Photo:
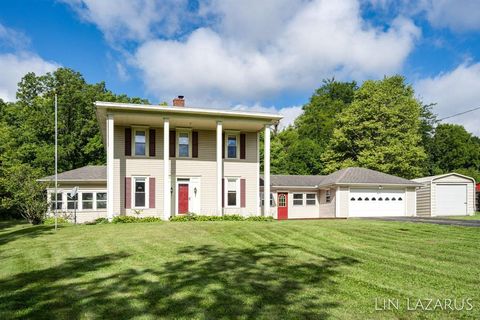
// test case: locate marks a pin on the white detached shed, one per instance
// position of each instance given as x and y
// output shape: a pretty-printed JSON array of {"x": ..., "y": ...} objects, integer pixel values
[{"x": 450, "y": 194}]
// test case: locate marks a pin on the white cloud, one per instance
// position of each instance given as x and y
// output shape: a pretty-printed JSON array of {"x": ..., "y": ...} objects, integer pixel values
[
  {"x": 15, "y": 66},
  {"x": 17, "y": 62},
  {"x": 297, "y": 44},
  {"x": 289, "y": 113},
  {"x": 130, "y": 19},
  {"x": 454, "y": 92},
  {"x": 12, "y": 39},
  {"x": 458, "y": 15}
]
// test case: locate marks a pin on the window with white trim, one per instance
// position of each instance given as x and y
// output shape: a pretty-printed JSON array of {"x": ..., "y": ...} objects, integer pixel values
[
  {"x": 183, "y": 138},
  {"x": 262, "y": 199},
  {"x": 87, "y": 200},
  {"x": 232, "y": 146},
  {"x": 298, "y": 199},
  {"x": 311, "y": 199},
  {"x": 140, "y": 142},
  {"x": 232, "y": 192},
  {"x": 72, "y": 202},
  {"x": 58, "y": 202},
  {"x": 140, "y": 192},
  {"x": 328, "y": 196},
  {"x": 101, "y": 198}
]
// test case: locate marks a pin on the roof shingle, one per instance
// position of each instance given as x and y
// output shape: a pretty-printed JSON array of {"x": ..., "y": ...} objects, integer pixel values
[{"x": 87, "y": 173}]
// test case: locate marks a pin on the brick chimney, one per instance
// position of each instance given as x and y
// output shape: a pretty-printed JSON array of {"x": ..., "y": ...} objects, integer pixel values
[{"x": 179, "y": 101}]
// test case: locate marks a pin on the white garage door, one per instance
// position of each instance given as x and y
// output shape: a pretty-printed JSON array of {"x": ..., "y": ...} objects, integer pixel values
[
  {"x": 451, "y": 199},
  {"x": 376, "y": 202}
]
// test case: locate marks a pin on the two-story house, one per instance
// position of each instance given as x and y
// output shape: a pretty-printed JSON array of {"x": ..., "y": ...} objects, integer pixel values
[{"x": 169, "y": 160}]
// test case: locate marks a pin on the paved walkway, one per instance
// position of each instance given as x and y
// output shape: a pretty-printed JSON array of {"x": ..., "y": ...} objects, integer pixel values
[{"x": 433, "y": 220}]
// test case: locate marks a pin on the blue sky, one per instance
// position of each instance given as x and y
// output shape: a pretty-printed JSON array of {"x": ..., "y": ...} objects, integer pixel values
[{"x": 267, "y": 55}]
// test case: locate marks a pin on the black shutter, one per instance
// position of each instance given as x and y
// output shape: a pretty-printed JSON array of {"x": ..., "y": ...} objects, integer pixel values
[
  {"x": 195, "y": 144},
  {"x": 128, "y": 141},
  {"x": 242, "y": 146},
  {"x": 172, "y": 138},
  {"x": 151, "y": 142}
]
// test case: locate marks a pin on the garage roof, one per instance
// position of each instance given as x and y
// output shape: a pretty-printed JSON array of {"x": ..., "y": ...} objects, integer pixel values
[
  {"x": 357, "y": 175},
  {"x": 352, "y": 175},
  {"x": 431, "y": 178},
  {"x": 294, "y": 181}
]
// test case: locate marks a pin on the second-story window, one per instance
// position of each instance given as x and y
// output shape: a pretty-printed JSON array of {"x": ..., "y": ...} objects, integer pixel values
[
  {"x": 232, "y": 146},
  {"x": 140, "y": 141},
  {"x": 183, "y": 144}
]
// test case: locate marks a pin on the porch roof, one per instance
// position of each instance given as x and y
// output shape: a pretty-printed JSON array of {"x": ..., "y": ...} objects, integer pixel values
[{"x": 129, "y": 114}]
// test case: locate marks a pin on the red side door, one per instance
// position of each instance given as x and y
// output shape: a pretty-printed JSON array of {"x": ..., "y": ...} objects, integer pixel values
[
  {"x": 282, "y": 211},
  {"x": 183, "y": 198}
]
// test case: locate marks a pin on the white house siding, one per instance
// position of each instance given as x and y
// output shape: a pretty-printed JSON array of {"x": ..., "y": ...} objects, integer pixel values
[
  {"x": 424, "y": 204},
  {"x": 246, "y": 169},
  {"x": 137, "y": 166},
  {"x": 411, "y": 204},
  {"x": 342, "y": 201},
  {"x": 82, "y": 215},
  {"x": 204, "y": 167},
  {"x": 304, "y": 211},
  {"x": 327, "y": 209}
]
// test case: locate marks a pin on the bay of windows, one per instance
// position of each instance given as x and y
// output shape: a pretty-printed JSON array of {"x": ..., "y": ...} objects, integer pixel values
[{"x": 83, "y": 200}]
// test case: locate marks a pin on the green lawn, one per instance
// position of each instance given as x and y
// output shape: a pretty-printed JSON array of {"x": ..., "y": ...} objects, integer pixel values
[
  {"x": 476, "y": 216},
  {"x": 250, "y": 270}
]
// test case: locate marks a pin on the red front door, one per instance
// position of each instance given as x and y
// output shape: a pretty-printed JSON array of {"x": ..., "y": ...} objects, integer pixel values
[
  {"x": 182, "y": 198},
  {"x": 282, "y": 213}
]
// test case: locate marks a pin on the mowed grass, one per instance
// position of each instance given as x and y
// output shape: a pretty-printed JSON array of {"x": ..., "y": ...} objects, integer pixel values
[
  {"x": 237, "y": 270},
  {"x": 475, "y": 216}
]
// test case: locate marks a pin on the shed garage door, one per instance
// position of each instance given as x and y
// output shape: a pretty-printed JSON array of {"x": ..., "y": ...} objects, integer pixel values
[
  {"x": 376, "y": 203},
  {"x": 451, "y": 199}
]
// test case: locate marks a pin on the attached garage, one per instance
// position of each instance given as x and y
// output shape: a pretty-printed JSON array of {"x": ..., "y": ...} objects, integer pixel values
[
  {"x": 349, "y": 192},
  {"x": 449, "y": 194}
]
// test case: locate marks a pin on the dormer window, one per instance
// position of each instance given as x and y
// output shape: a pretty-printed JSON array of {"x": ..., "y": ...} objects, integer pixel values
[{"x": 140, "y": 141}]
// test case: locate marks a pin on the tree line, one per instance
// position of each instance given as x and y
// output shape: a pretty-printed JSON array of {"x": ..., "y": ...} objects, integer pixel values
[
  {"x": 27, "y": 135},
  {"x": 379, "y": 125}
]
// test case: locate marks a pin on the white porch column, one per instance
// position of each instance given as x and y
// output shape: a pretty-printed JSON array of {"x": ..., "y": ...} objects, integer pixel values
[
  {"x": 266, "y": 172},
  {"x": 110, "y": 134},
  {"x": 219, "y": 167},
  {"x": 166, "y": 169}
]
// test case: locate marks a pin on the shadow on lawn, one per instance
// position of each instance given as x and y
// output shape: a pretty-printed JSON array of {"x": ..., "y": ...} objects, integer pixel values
[
  {"x": 27, "y": 230},
  {"x": 204, "y": 282}
]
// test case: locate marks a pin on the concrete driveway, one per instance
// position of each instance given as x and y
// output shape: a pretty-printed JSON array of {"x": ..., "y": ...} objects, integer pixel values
[{"x": 433, "y": 220}]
